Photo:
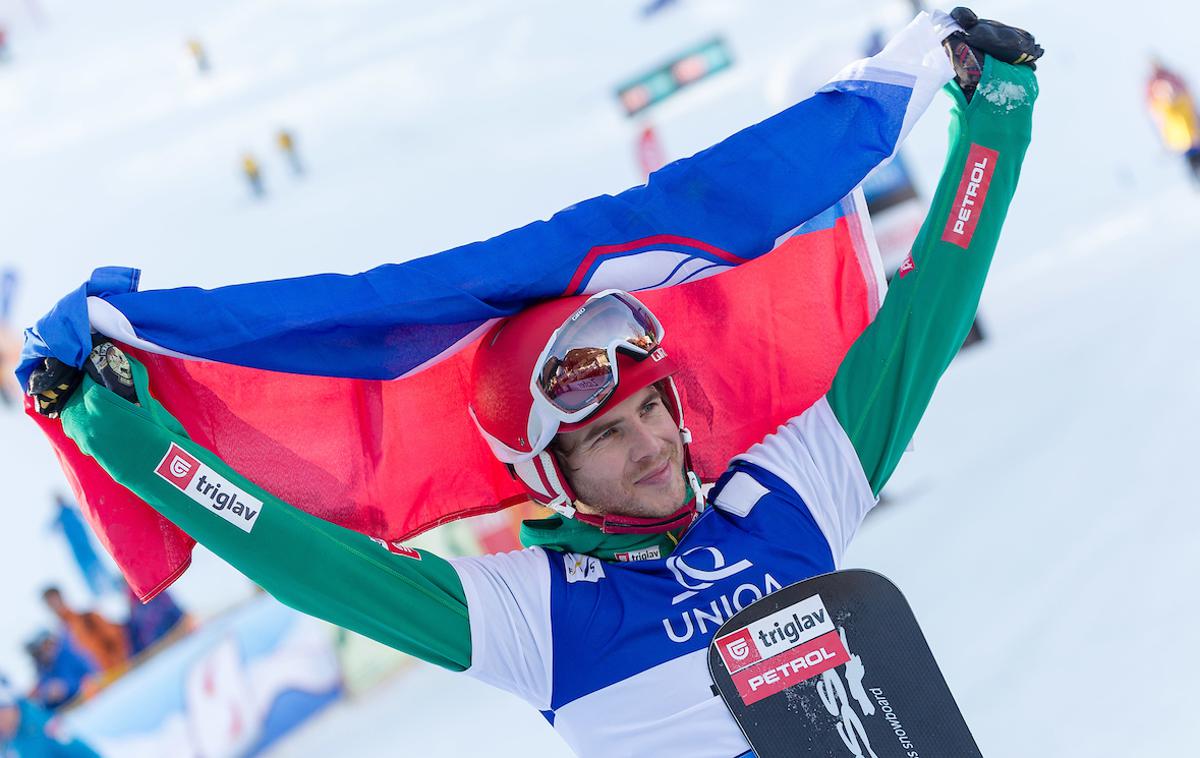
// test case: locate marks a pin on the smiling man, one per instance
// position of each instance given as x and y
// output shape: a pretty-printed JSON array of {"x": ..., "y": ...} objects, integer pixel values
[
  {"x": 603, "y": 621},
  {"x": 629, "y": 463}
]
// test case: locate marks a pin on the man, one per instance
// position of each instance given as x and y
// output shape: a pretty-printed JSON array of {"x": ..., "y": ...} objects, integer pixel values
[
  {"x": 104, "y": 641},
  {"x": 27, "y": 731},
  {"x": 603, "y": 620}
]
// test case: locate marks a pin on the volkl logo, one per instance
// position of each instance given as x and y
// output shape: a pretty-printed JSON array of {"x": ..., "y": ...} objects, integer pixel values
[
  {"x": 208, "y": 488},
  {"x": 694, "y": 578}
]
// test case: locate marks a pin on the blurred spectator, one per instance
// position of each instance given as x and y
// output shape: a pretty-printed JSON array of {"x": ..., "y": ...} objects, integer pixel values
[
  {"x": 1174, "y": 113},
  {"x": 62, "y": 670},
  {"x": 150, "y": 622},
  {"x": 3, "y": 45},
  {"x": 10, "y": 353},
  {"x": 287, "y": 144},
  {"x": 252, "y": 173},
  {"x": 29, "y": 731},
  {"x": 199, "y": 55},
  {"x": 95, "y": 635},
  {"x": 10, "y": 339},
  {"x": 69, "y": 521}
]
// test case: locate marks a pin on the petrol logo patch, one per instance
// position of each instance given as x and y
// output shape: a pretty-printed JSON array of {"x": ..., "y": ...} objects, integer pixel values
[
  {"x": 971, "y": 195},
  {"x": 785, "y": 648}
]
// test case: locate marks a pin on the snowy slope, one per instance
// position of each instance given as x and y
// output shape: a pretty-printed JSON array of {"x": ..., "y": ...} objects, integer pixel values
[{"x": 1042, "y": 530}]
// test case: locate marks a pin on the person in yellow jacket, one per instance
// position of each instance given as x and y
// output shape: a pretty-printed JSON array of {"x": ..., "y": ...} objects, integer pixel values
[
  {"x": 253, "y": 174},
  {"x": 1174, "y": 113}
]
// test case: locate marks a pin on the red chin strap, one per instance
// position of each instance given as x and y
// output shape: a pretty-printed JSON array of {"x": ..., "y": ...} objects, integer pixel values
[{"x": 611, "y": 523}]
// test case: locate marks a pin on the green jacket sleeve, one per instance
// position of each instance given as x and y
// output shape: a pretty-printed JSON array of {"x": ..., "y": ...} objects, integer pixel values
[
  {"x": 414, "y": 603},
  {"x": 887, "y": 378}
]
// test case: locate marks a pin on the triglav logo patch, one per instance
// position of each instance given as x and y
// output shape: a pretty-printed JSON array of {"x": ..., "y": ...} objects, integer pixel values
[
  {"x": 782, "y": 649},
  {"x": 651, "y": 553},
  {"x": 208, "y": 488}
]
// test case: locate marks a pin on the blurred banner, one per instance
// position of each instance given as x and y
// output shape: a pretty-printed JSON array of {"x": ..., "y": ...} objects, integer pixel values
[
  {"x": 656, "y": 85},
  {"x": 896, "y": 211},
  {"x": 229, "y": 690}
]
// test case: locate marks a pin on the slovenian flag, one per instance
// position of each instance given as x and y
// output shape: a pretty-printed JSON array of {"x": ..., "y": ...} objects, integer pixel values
[{"x": 347, "y": 395}]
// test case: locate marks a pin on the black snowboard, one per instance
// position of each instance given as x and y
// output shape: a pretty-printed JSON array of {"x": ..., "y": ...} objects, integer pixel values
[{"x": 836, "y": 665}]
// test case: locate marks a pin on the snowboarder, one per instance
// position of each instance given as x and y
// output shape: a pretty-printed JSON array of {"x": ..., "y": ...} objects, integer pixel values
[
  {"x": 1174, "y": 113},
  {"x": 199, "y": 55},
  {"x": 603, "y": 621},
  {"x": 287, "y": 145},
  {"x": 253, "y": 175}
]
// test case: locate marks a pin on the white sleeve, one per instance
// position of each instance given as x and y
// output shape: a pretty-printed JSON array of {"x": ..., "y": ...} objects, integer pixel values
[
  {"x": 914, "y": 57},
  {"x": 508, "y": 602},
  {"x": 813, "y": 455}
]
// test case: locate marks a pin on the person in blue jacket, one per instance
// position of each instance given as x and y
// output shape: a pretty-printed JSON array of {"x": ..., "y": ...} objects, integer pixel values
[
  {"x": 61, "y": 669},
  {"x": 30, "y": 731}
]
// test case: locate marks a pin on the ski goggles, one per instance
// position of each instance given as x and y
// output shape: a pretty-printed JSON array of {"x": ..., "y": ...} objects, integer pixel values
[{"x": 577, "y": 371}]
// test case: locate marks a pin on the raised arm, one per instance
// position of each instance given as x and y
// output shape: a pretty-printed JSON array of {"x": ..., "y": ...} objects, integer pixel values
[
  {"x": 409, "y": 600},
  {"x": 887, "y": 378}
]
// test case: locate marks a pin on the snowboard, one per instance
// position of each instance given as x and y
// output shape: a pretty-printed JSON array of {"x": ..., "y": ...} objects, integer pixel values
[{"x": 836, "y": 665}]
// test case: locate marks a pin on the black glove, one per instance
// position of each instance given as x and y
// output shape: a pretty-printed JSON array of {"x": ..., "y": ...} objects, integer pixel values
[
  {"x": 53, "y": 383},
  {"x": 983, "y": 37},
  {"x": 1001, "y": 41}
]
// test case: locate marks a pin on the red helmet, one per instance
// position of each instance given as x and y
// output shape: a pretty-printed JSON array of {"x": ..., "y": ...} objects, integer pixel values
[{"x": 558, "y": 367}]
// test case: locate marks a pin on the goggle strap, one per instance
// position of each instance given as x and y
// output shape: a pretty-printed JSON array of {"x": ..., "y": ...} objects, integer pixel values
[{"x": 697, "y": 489}]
